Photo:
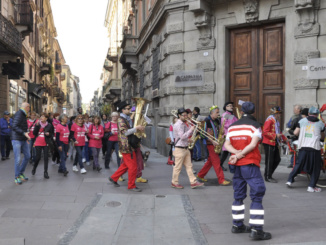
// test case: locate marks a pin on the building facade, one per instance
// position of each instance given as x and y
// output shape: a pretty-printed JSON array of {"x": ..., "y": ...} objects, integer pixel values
[{"x": 206, "y": 52}]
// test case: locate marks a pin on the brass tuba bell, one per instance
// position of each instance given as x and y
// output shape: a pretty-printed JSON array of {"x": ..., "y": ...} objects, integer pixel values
[{"x": 139, "y": 117}]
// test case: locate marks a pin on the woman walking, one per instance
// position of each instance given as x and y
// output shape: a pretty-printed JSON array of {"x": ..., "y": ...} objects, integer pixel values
[
  {"x": 86, "y": 149},
  {"x": 62, "y": 139},
  {"x": 55, "y": 154},
  {"x": 112, "y": 143},
  {"x": 31, "y": 124},
  {"x": 95, "y": 134},
  {"x": 43, "y": 133},
  {"x": 77, "y": 134}
]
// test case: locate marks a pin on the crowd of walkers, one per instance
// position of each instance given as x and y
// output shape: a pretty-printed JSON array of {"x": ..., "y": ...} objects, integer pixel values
[{"x": 57, "y": 136}]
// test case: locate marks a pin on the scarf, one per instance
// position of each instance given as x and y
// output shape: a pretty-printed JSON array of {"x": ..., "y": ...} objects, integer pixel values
[
  {"x": 55, "y": 122},
  {"x": 31, "y": 120},
  {"x": 43, "y": 125},
  {"x": 127, "y": 118}
]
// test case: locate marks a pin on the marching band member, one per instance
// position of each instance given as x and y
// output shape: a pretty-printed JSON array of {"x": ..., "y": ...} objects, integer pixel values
[
  {"x": 181, "y": 153},
  {"x": 128, "y": 153},
  {"x": 212, "y": 127},
  {"x": 242, "y": 141},
  {"x": 310, "y": 132},
  {"x": 228, "y": 118},
  {"x": 271, "y": 139}
]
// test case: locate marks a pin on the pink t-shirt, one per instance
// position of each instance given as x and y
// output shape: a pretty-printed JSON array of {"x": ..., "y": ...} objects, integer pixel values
[
  {"x": 113, "y": 129},
  {"x": 79, "y": 134},
  {"x": 93, "y": 132},
  {"x": 31, "y": 128},
  {"x": 63, "y": 130},
  {"x": 40, "y": 140},
  {"x": 171, "y": 128}
]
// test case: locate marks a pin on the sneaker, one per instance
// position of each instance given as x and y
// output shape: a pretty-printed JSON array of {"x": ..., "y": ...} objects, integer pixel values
[
  {"x": 18, "y": 181},
  {"x": 141, "y": 180},
  {"x": 136, "y": 189},
  {"x": 65, "y": 173},
  {"x": 196, "y": 184},
  {"x": 177, "y": 186},
  {"x": 83, "y": 171},
  {"x": 75, "y": 169},
  {"x": 290, "y": 166},
  {"x": 225, "y": 183},
  {"x": 84, "y": 160},
  {"x": 53, "y": 162},
  {"x": 311, "y": 189},
  {"x": 113, "y": 182},
  {"x": 121, "y": 179},
  {"x": 194, "y": 171},
  {"x": 98, "y": 169},
  {"x": 3, "y": 158},
  {"x": 271, "y": 180},
  {"x": 241, "y": 229},
  {"x": 224, "y": 169},
  {"x": 88, "y": 163},
  {"x": 202, "y": 179},
  {"x": 289, "y": 184},
  {"x": 23, "y": 177},
  {"x": 260, "y": 235}
]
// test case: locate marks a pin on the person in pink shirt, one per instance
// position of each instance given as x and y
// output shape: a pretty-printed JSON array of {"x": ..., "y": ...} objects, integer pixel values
[
  {"x": 31, "y": 124},
  {"x": 77, "y": 134},
  {"x": 113, "y": 143},
  {"x": 95, "y": 134},
  {"x": 228, "y": 118},
  {"x": 62, "y": 139},
  {"x": 43, "y": 133}
]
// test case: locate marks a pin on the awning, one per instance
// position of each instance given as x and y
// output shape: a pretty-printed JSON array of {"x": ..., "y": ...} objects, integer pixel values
[{"x": 36, "y": 90}]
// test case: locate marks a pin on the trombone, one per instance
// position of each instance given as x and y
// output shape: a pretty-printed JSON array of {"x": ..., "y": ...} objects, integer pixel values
[{"x": 195, "y": 123}]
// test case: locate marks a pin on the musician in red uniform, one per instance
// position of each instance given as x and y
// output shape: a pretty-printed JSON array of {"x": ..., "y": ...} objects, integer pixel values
[
  {"x": 242, "y": 142},
  {"x": 271, "y": 139}
]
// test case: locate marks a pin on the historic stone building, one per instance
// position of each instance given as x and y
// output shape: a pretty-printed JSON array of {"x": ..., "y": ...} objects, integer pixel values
[{"x": 251, "y": 50}]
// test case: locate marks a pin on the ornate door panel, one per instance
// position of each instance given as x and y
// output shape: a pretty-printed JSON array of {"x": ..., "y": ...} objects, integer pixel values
[{"x": 257, "y": 67}]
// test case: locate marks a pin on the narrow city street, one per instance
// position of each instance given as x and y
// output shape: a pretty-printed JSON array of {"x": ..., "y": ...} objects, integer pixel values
[{"x": 85, "y": 209}]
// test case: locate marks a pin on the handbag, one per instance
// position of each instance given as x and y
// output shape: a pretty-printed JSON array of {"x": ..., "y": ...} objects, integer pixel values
[{"x": 107, "y": 134}]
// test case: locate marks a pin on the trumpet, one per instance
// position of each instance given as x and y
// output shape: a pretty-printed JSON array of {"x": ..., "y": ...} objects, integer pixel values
[{"x": 198, "y": 128}]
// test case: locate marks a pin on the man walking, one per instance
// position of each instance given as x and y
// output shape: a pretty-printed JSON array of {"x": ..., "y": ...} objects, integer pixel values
[
  {"x": 181, "y": 153},
  {"x": 5, "y": 125},
  {"x": 242, "y": 142},
  {"x": 271, "y": 140},
  {"x": 310, "y": 132},
  {"x": 129, "y": 156},
  {"x": 20, "y": 142}
]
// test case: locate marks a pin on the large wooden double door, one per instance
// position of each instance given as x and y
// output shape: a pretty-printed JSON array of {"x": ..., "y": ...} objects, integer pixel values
[{"x": 257, "y": 67}]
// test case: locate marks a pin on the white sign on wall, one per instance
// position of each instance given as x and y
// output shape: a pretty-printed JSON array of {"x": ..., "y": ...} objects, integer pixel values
[{"x": 317, "y": 68}]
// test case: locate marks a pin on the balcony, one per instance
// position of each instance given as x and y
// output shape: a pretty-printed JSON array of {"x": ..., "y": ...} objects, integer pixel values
[
  {"x": 56, "y": 92},
  {"x": 129, "y": 46},
  {"x": 112, "y": 55},
  {"x": 62, "y": 76},
  {"x": 55, "y": 82},
  {"x": 45, "y": 69},
  {"x": 10, "y": 38},
  {"x": 108, "y": 66},
  {"x": 24, "y": 18},
  {"x": 58, "y": 67}
]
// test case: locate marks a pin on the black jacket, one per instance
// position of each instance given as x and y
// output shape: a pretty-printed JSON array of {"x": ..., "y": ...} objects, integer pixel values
[
  {"x": 48, "y": 128},
  {"x": 19, "y": 126}
]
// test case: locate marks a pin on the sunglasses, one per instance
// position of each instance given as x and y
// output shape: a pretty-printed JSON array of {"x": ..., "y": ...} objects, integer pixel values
[{"x": 128, "y": 108}]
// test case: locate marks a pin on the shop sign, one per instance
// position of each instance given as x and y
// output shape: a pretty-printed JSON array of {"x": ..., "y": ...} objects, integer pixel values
[
  {"x": 22, "y": 92},
  {"x": 317, "y": 68},
  {"x": 13, "y": 87},
  {"x": 190, "y": 78}
]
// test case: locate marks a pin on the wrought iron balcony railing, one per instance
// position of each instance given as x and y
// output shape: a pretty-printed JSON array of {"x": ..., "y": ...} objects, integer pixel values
[
  {"x": 24, "y": 18},
  {"x": 10, "y": 38}
]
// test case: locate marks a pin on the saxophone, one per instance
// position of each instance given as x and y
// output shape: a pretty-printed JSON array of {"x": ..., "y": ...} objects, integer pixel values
[
  {"x": 194, "y": 138},
  {"x": 220, "y": 139},
  {"x": 238, "y": 112}
]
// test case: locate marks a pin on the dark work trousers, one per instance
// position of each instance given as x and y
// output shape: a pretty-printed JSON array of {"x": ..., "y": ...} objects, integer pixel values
[
  {"x": 79, "y": 156},
  {"x": 272, "y": 159},
  {"x": 110, "y": 146},
  {"x": 96, "y": 153},
  {"x": 243, "y": 175},
  {"x": 38, "y": 156},
  {"x": 5, "y": 145},
  {"x": 310, "y": 162},
  {"x": 104, "y": 145},
  {"x": 224, "y": 156}
]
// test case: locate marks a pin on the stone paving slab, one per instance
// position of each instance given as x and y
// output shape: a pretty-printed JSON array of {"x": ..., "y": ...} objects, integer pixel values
[{"x": 12, "y": 241}]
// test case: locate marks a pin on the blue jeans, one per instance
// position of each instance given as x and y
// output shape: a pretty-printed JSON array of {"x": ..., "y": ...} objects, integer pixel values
[
  {"x": 63, "y": 156},
  {"x": 112, "y": 145},
  {"x": 32, "y": 150},
  {"x": 18, "y": 147},
  {"x": 86, "y": 151},
  {"x": 197, "y": 150},
  {"x": 79, "y": 156},
  {"x": 5, "y": 145}
]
